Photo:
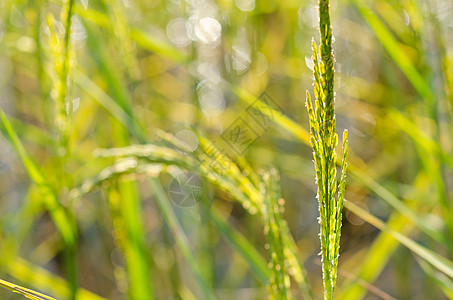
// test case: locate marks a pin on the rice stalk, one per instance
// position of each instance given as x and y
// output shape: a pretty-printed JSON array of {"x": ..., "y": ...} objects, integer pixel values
[{"x": 324, "y": 141}]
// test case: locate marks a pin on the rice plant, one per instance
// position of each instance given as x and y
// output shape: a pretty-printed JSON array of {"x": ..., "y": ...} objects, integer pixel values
[{"x": 324, "y": 141}]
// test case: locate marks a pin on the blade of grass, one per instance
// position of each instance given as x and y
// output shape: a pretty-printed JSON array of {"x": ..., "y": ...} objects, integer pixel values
[
  {"x": 279, "y": 285},
  {"x": 64, "y": 222},
  {"x": 420, "y": 138},
  {"x": 142, "y": 38},
  {"x": 239, "y": 243},
  {"x": 438, "y": 261},
  {"x": 30, "y": 294},
  {"x": 108, "y": 103},
  {"x": 376, "y": 259},
  {"x": 445, "y": 283},
  {"x": 395, "y": 51},
  {"x": 129, "y": 203},
  {"x": 30, "y": 132},
  {"x": 116, "y": 86},
  {"x": 383, "y": 246},
  {"x": 36, "y": 276},
  {"x": 280, "y": 119},
  {"x": 181, "y": 239},
  {"x": 432, "y": 155},
  {"x": 398, "y": 205},
  {"x": 148, "y": 42},
  {"x": 56, "y": 210},
  {"x": 126, "y": 208}
]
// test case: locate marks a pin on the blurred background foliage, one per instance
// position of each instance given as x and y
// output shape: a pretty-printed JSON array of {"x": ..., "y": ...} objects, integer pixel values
[{"x": 130, "y": 68}]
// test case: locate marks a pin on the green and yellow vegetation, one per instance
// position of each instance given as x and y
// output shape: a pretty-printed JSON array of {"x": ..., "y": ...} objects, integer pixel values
[{"x": 162, "y": 150}]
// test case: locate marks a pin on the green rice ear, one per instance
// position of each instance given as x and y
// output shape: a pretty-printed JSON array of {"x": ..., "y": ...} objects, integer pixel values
[{"x": 324, "y": 141}]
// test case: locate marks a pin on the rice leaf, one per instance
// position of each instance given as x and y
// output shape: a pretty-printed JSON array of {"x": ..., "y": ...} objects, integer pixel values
[
  {"x": 180, "y": 237},
  {"x": 59, "y": 215},
  {"x": 441, "y": 263},
  {"x": 30, "y": 294}
]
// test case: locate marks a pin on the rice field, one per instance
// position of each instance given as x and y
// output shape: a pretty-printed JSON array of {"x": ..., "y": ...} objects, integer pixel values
[{"x": 203, "y": 149}]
